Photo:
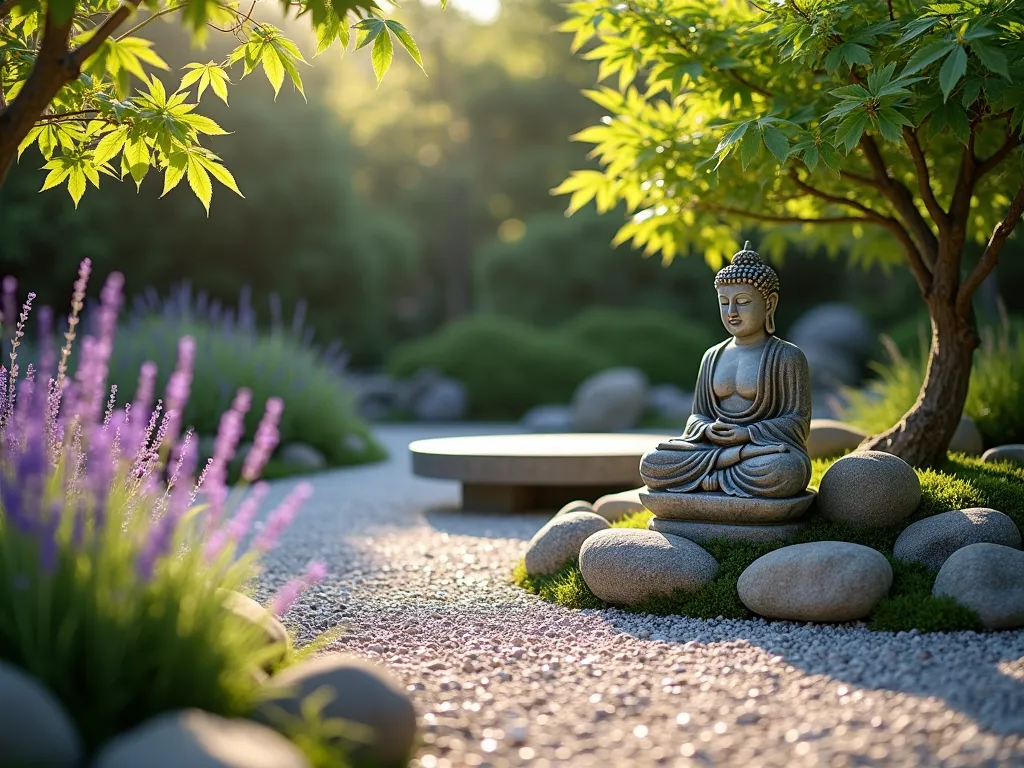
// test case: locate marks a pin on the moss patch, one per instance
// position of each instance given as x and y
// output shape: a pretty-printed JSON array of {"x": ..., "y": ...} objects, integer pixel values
[{"x": 961, "y": 483}]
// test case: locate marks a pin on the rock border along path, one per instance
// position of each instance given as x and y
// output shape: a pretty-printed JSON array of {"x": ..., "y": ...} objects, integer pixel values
[{"x": 503, "y": 678}]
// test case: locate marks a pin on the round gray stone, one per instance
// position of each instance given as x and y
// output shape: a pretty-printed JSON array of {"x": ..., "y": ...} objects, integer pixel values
[
  {"x": 200, "y": 740},
  {"x": 869, "y": 489},
  {"x": 932, "y": 540},
  {"x": 626, "y": 566},
  {"x": 816, "y": 581},
  {"x": 1012, "y": 453},
  {"x": 361, "y": 693},
  {"x": 558, "y": 542},
  {"x": 829, "y": 437},
  {"x": 615, "y": 506},
  {"x": 575, "y": 506},
  {"x": 34, "y": 728},
  {"x": 548, "y": 418},
  {"x": 610, "y": 401},
  {"x": 702, "y": 533},
  {"x": 967, "y": 438},
  {"x": 442, "y": 400},
  {"x": 303, "y": 456},
  {"x": 988, "y": 578}
]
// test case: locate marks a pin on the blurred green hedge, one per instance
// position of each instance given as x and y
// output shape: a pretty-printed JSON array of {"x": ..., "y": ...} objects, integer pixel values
[
  {"x": 506, "y": 365},
  {"x": 666, "y": 347}
]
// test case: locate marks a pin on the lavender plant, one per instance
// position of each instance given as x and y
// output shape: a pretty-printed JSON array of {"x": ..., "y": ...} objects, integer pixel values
[{"x": 113, "y": 552}]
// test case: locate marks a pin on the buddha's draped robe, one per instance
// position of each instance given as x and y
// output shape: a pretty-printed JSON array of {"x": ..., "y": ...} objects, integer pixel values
[{"x": 779, "y": 415}]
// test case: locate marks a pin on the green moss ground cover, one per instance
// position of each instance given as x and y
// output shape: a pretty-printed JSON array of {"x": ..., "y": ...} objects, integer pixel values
[{"x": 960, "y": 484}]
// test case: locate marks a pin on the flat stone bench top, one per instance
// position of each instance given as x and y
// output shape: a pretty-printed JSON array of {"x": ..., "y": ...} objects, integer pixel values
[{"x": 559, "y": 459}]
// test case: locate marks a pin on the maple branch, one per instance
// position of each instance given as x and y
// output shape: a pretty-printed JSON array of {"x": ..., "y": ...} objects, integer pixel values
[
  {"x": 747, "y": 84},
  {"x": 781, "y": 219},
  {"x": 839, "y": 200},
  {"x": 1011, "y": 143},
  {"x": 150, "y": 20},
  {"x": 924, "y": 179},
  {"x": 103, "y": 31},
  {"x": 865, "y": 180},
  {"x": 990, "y": 256},
  {"x": 902, "y": 200},
  {"x": 960, "y": 205}
]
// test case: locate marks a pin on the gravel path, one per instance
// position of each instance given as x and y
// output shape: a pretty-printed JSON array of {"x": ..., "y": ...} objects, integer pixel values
[{"x": 502, "y": 678}]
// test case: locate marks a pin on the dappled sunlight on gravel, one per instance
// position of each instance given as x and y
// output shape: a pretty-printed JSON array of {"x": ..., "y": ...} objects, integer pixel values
[{"x": 500, "y": 677}]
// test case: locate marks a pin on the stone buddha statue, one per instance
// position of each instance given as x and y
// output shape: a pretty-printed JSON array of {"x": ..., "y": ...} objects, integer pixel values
[{"x": 747, "y": 436}]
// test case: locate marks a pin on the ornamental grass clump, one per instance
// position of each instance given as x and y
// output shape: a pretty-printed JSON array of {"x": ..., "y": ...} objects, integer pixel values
[
  {"x": 232, "y": 350},
  {"x": 113, "y": 552}
]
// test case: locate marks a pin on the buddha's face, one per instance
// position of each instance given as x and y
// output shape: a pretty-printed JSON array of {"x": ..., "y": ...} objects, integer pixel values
[{"x": 744, "y": 310}]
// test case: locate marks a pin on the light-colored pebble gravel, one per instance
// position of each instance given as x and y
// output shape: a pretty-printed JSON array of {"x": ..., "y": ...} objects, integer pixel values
[{"x": 501, "y": 678}]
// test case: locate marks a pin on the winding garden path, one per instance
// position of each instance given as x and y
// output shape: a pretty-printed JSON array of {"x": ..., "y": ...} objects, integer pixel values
[{"x": 501, "y": 678}]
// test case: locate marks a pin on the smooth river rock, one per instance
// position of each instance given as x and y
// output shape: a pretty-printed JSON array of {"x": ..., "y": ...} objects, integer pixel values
[
  {"x": 988, "y": 578},
  {"x": 615, "y": 506},
  {"x": 34, "y": 728},
  {"x": 248, "y": 610},
  {"x": 558, "y": 542},
  {"x": 360, "y": 693},
  {"x": 967, "y": 438},
  {"x": 869, "y": 489},
  {"x": 575, "y": 506},
  {"x": 932, "y": 540},
  {"x": 829, "y": 437},
  {"x": 816, "y": 581},
  {"x": 610, "y": 401},
  {"x": 199, "y": 740},
  {"x": 1013, "y": 453},
  {"x": 626, "y": 566}
]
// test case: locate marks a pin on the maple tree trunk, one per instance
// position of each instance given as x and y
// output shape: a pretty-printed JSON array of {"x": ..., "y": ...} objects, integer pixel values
[{"x": 922, "y": 436}]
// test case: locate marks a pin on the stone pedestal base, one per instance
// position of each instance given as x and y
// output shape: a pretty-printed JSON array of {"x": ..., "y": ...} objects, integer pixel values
[
  {"x": 720, "y": 508},
  {"x": 701, "y": 533}
]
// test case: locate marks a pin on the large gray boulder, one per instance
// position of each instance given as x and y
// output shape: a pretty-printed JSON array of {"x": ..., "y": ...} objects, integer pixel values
[
  {"x": 558, "y": 542},
  {"x": 304, "y": 456},
  {"x": 575, "y": 506},
  {"x": 816, "y": 581},
  {"x": 443, "y": 399},
  {"x": 627, "y": 566},
  {"x": 670, "y": 403},
  {"x": 932, "y": 540},
  {"x": 835, "y": 325},
  {"x": 967, "y": 438},
  {"x": 1012, "y": 453},
  {"x": 829, "y": 437},
  {"x": 831, "y": 367},
  {"x": 869, "y": 489},
  {"x": 198, "y": 739},
  {"x": 548, "y": 418},
  {"x": 34, "y": 728},
  {"x": 360, "y": 693},
  {"x": 610, "y": 401},
  {"x": 989, "y": 579},
  {"x": 615, "y": 506}
]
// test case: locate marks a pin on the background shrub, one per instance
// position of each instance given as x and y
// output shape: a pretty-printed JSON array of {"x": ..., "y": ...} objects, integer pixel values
[
  {"x": 995, "y": 400},
  {"x": 507, "y": 366},
  {"x": 231, "y": 353},
  {"x": 666, "y": 347}
]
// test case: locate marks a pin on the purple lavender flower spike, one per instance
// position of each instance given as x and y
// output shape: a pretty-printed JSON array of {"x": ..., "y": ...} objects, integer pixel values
[
  {"x": 238, "y": 526},
  {"x": 180, "y": 384},
  {"x": 265, "y": 441},
  {"x": 282, "y": 517},
  {"x": 229, "y": 432}
]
